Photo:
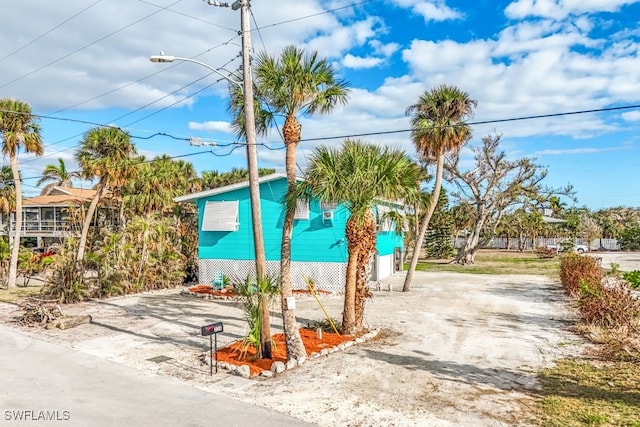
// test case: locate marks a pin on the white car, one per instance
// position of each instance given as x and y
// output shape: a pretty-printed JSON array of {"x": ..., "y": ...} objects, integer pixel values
[{"x": 580, "y": 249}]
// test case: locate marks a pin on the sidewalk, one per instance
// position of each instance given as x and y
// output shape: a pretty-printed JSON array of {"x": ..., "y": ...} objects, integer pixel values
[{"x": 44, "y": 383}]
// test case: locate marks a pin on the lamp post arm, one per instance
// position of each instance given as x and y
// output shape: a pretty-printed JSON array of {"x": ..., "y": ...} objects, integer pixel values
[{"x": 171, "y": 58}]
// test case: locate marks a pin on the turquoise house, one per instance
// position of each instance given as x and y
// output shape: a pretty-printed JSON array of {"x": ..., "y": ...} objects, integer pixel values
[{"x": 318, "y": 244}]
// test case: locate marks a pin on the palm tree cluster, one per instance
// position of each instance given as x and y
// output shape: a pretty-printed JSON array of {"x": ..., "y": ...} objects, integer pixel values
[{"x": 153, "y": 231}]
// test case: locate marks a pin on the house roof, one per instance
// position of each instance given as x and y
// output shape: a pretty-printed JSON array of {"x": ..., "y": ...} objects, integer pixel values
[
  {"x": 551, "y": 220},
  {"x": 228, "y": 188},
  {"x": 61, "y": 196}
]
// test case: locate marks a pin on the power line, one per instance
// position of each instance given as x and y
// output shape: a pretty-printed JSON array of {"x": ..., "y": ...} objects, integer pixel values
[
  {"x": 85, "y": 46},
  {"x": 187, "y": 15},
  {"x": 484, "y": 122},
  {"x": 315, "y": 14},
  {"x": 49, "y": 31}
]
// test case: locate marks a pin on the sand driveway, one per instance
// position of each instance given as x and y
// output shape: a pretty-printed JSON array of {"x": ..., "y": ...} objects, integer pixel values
[{"x": 458, "y": 350}]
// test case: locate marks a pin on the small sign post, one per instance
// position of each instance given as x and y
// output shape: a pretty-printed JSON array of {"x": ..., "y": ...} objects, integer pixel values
[{"x": 212, "y": 330}]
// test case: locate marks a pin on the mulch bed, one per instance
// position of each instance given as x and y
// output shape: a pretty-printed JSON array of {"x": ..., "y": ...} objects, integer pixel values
[
  {"x": 234, "y": 353},
  {"x": 228, "y": 292}
]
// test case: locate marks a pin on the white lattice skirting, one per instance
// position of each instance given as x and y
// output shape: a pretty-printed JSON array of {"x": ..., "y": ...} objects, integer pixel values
[{"x": 328, "y": 276}]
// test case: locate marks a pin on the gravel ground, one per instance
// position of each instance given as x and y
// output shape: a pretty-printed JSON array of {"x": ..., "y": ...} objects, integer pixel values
[{"x": 457, "y": 350}]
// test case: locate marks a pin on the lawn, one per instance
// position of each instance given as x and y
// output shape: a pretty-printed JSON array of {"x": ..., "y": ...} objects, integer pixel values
[
  {"x": 590, "y": 393},
  {"x": 19, "y": 293},
  {"x": 498, "y": 262}
]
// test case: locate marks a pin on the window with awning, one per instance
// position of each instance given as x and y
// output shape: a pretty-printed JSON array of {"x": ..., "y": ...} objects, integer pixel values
[
  {"x": 220, "y": 216},
  {"x": 302, "y": 209}
]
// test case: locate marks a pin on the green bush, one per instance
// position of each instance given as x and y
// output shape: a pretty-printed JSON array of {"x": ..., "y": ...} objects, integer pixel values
[
  {"x": 629, "y": 238},
  {"x": 633, "y": 277}
]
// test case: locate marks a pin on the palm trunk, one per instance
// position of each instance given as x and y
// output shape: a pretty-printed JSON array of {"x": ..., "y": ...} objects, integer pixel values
[
  {"x": 433, "y": 202},
  {"x": 87, "y": 221},
  {"x": 293, "y": 340},
  {"x": 15, "y": 248},
  {"x": 367, "y": 247},
  {"x": 349, "y": 312}
]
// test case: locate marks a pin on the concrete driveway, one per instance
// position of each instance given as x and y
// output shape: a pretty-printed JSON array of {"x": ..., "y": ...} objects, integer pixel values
[{"x": 44, "y": 383}]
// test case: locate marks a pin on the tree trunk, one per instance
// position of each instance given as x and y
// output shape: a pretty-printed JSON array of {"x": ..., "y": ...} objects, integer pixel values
[
  {"x": 367, "y": 241},
  {"x": 433, "y": 202},
  {"x": 467, "y": 253},
  {"x": 87, "y": 221},
  {"x": 15, "y": 248},
  {"x": 293, "y": 340},
  {"x": 349, "y": 311}
]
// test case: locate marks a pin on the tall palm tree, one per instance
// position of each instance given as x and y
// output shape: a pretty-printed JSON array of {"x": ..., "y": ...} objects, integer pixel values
[
  {"x": 437, "y": 127},
  {"x": 57, "y": 176},
  {"x": 358, "y": 175},
  {"x": 7, "y": 190},
  {"x": 291, "y": 85},
  {"x": 106, "y": 153},
  {"x": 20, "y": 130}
]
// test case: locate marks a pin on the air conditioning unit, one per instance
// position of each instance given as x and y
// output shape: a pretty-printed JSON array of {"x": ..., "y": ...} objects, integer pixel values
[{"x": 327, "y": 217}]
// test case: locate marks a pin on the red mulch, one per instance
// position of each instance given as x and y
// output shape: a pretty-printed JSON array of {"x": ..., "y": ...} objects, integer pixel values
[
  {"x": 312, "y": 344},
  {"x": 207, "y": 289}
]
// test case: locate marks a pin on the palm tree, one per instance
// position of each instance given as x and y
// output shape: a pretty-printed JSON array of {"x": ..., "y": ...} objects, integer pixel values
[
  {"x": 290, "y": 85},
  {"x": 19, "y": 131},
  {"x": 7, "y": 191},
  {"x": 155, "y": 184},
  {"x": 437, "y": 127},
  {"x": 105, "y": 153},
  {"x": 358, "y": 175},
  {"x": 57, "y": 175}
]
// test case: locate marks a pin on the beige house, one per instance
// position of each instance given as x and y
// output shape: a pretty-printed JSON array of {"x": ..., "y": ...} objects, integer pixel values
[{"x": 45, "y": 218}]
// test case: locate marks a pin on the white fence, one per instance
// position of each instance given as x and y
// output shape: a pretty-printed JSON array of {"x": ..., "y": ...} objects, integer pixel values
[{"x": 512, "y": 243}]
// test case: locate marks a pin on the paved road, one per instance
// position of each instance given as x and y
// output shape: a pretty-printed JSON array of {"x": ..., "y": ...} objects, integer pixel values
[
  {"x": 627, "y": 261},
  {"x": 44, "y": 384}
]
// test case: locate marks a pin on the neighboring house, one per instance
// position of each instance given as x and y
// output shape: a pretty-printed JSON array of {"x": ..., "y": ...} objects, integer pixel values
[
  {"x": 318, "y": 244},
  {"x": 45, "y": 217}
]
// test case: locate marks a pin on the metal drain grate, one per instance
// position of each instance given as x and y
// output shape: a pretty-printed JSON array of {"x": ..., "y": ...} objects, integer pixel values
[{"x": 160, "y": 359}]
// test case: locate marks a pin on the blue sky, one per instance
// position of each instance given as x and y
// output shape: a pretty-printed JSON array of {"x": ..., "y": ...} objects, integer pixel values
[{"x": 89, "y": 61}]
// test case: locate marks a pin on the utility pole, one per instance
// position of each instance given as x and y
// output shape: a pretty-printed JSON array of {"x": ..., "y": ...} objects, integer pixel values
[{"x": 252, "y": 166}]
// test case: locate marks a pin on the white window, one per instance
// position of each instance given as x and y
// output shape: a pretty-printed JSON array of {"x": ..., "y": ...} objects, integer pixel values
[
  {"x": 220, "y": 216},
  {"x": 302, "y": 209}
]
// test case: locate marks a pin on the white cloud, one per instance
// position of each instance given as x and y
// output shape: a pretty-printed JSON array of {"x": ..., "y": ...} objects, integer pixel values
[
  {"x": 631, "y": 116},
  {"x": 434, "y": 10},
  {"x": 386, "y": 50},
  {"x": 211, "y": 126},
  {"x": 359, "y": 62},
  {"x": 560, "y": 9},
  {"x": 580, "y": 150}
]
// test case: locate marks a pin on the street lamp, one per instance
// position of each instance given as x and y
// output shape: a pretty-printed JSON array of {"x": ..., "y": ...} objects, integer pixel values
[
  {"x": 252, "y": 156},
  {"x": 171, "y": 58}
]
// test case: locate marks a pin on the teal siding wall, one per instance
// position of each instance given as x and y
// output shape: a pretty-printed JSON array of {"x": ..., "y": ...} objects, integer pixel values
[
  {"x": 387, "y": 241},
  {"x": 312, "y": 239}
]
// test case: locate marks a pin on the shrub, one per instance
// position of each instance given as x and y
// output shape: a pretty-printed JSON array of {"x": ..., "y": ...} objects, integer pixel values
[
  {"x": 575, "y": 268},
  {"x": 544, "y": 252},
  {"x": 633, "y": 277},
  {"x": 629, "y": 238},
  {"x": 609, "y": 306}
]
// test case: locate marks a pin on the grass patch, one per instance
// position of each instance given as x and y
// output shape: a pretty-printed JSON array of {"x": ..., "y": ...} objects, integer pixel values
[
  {"x": 19, "y": 293},
  {"x": 498, "y": 262},
  {"x": 588, "y": 393}
]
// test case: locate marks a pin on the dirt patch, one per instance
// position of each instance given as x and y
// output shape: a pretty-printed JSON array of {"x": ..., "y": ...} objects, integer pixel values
[{"x": 459, "y": 349}]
